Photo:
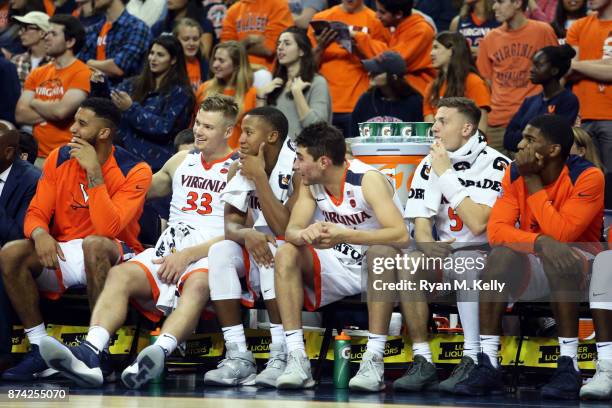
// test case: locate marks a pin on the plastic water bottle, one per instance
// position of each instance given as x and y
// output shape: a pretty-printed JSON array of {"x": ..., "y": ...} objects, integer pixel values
[{"x": 342, "y": 360}]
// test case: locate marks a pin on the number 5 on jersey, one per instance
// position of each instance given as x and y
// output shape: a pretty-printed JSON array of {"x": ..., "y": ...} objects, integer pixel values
[
  {"x": 458, "y": 226},
  {"x": 204, "y": 208}
]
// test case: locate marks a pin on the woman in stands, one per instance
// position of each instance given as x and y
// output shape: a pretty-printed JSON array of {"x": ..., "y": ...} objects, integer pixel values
[
  {"x": 567, "y": 12},
  {"x": 584, "y": 147},
  {"x": 476, "y": 18},
  {"x": 157, "y": 104},
  {"x": 178, "y": 9},
  {"x": 297, "y": 89},
  {"x": 550, "y": 64},
  {"x": 390, "y": 98},
  {"x": 457, "y": 75},
  {"x": 231, "y": 75},
  {"x": 188, "y": 32}
]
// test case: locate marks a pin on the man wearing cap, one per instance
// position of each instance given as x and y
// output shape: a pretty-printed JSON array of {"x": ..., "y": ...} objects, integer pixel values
[
  {"x": 32, "y": 31},
  {"x": 390, "y": 98},
  {"x": 412, "y": 38}
]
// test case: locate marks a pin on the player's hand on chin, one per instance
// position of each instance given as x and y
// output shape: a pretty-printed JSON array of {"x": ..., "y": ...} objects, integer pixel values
[
  {"x": 172, "y": 266},
  {"x": 84, "y": 153},
  {"x": 252, "y": 167}
]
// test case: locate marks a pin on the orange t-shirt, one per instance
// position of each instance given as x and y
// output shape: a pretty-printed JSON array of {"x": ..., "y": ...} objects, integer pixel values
[
  {"x": 101, "y": 41},
  {"x": 568, "y": 210},
  {"x": 346, "y": 78},
  {"x": 476, "y": 89},
  {"x": 412, "y": 39},
  {"x": 248, "y": 103},
  {"x": 593, "y": 37},
  {"x": 268, "y": 18},
  {"x": 50, "y": 84},
  {"x": 68, "y": 209},
  {"x": 193, "y": 73},
  {"x": 504, "y": 58},
  {"x": 49, "y": 7}
]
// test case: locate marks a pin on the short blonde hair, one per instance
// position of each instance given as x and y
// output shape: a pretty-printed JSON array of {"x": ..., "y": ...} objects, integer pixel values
[{"x": 222, "y": 103}]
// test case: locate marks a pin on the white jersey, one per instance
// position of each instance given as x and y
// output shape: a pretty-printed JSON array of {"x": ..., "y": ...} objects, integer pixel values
[
  {"x": 350, "y": 210},
  {"x": 482, "y": 180},
  {"x": 196, "y": 211}
]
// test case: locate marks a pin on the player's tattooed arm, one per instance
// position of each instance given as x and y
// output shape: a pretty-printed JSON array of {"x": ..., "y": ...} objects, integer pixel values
[{"x": 94, "y": 178}]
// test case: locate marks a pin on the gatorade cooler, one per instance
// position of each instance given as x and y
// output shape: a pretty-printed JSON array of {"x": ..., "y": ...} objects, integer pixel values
[{"x": 397, "y": 160}]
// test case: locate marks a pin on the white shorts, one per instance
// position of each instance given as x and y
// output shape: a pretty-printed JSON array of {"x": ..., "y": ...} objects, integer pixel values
[
  {"x": 164, "y": 297},
  {"x": 333, "y": 280},
  {"x": 535, "y": 285},
  {"x": 52, "y": 283}
]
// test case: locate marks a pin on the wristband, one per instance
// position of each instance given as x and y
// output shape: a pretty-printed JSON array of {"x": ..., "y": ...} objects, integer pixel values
[{"x": 452, "y": 188}]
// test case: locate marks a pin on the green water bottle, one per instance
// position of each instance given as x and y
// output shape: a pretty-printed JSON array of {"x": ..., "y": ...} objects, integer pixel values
[{"x": 342, "y": 360}]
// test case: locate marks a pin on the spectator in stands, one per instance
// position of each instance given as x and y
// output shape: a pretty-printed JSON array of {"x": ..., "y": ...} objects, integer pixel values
[
  {"x": 476, "y": 18},
  {"x": 459, "y": 216},
  {"x": 543, "y": 173},
  {"x": 568, "y": 12},
  {"x": 505, "y": 71},
  {"x": 542, "y": 10},
  {"x": 390, "y": 98},
  {"x": 189, "y": 33},
  {"x": 591, "y": 38},
  {"x": 441, "y": 11},
  {"x": 156, "y": 104},
  {"x": 149, "y": 11},
  {"x": 116, "y": 45},
  {"x": 32, "y": 32},
  {"x": 9, "y": 84},
  {"x": 257, "y": 24},
  {"x": 178, "y": 9},
  {"x": 184, "y": 140},
  {"x": 304, "y": 14},
  {"x": 178, "y": 263},
  {"x": 28, "y": 147},
  {"x": 82, "y": 220},
  {"x": 346, "y": 78},
  {"x": 52, "y": 93},
  {"x": 86, "y": 13},
  {"x": 17, "y": 186},
  {"x": 215, "y": 11},
  {"x": 10, "y": 44},
  {"x": 457, "y": 75},
  {"x": 584, "y": 147},
  {"x": 550, "y": 64},
  {"x": 297, "y": 90},
  {"x": 4, "y": 14},
  {"x": 412, "y": 39},
  {"x": 231, "y": 75}
]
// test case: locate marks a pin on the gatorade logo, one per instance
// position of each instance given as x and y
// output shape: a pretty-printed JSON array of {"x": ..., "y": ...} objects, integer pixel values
[
  {"x": 346, "y": 353},
  {"x": 386, "y": 130},
  {"x": 407, "y": 131},
  {"x": 366, "y": 131}
]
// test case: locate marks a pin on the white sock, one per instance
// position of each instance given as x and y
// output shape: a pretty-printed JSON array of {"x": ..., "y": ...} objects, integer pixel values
[
  {"x": 167, "y": 342},
  {"x": 235, "y": 334},
  {"x": 98, "y": 336},
  {"x": 35, "y": 334},
  {"x": 604, "y": 350},
  {"x": 468, "y": 313},
  {"x": 277, "y": 333},
  {"x": 376, "y": 344},
  {"x": 568, "y": 346},
  {"x": 295, "y": 341},
  {"x": 490, "y": 346},
  {"x": 422, "y": 349}
]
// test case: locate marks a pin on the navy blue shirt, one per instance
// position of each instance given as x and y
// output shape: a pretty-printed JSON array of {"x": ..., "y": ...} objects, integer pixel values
[
  {"x": 565, "y": 104},
  {"x": 371, "y": 107},
  {"x": 11, "y": 89}
]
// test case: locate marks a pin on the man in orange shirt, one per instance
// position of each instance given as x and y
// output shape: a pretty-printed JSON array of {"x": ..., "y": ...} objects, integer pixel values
[
  {"x": 82, "y": 220},
  {"x": 555, "y": 199},
  {"x": 346, "y": 78},
  {"x": 504, "y": 60},
  {"x": 257, "y": 24},
  {"x": 412, "y": 39},
  {"x": 52, "y": 93},
  {"x": 591, "y": 37}
]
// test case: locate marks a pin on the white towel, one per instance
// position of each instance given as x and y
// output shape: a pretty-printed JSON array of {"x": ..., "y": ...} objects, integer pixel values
[{"x": 237, "y": 191}]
